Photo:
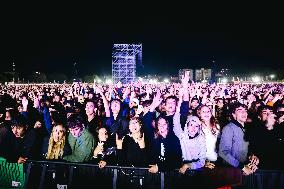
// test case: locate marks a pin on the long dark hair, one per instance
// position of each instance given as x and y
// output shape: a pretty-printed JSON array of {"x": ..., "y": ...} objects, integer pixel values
[{"x": 156, "y": 129}]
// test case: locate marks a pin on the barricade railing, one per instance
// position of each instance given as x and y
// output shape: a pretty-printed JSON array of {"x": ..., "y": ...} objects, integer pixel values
[{"x": 66, "y": 175}]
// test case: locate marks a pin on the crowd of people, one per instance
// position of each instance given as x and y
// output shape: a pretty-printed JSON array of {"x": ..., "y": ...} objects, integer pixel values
[{"x": 184, "y": 126}]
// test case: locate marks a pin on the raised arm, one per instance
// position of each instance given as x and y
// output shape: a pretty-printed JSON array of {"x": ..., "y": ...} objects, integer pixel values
[
  {"x": 105, "y": 101},
  {"x": 177, "y": 126}
]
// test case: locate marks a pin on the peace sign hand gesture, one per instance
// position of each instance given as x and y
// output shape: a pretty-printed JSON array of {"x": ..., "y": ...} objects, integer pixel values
[
  {"x": 99, "y": 148},
  {"x": 119, "y": 142}
]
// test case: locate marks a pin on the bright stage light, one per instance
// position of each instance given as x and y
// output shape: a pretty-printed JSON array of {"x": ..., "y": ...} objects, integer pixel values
[
  {"x": 256, "y": 79},
  {"x": 108, "y": 81},
  {"x": 224, "y": 80}
]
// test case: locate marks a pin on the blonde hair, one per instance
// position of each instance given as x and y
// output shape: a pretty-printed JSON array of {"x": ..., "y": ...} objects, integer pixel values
[{"x": 56, "y": 149}]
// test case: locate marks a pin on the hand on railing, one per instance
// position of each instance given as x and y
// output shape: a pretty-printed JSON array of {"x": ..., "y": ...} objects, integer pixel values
[
  {"x": 247, "y": 170},
  {"x": 209, "y": 164},
  {"x": 254, "y": 160},
  {"x": 153, "y": 168},
  {"x": 22, "y": 160},
  {"x": 102, "y": 164},
  {"x": 183, "y": 169},
  {"x": 253, "y": 167}
]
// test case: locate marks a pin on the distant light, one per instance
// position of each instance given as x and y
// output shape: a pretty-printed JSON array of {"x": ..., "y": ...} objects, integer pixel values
[
  {"x": 140, "y": 79},
  {"x": 224, "y": 80},
  {"x": 108, "y": 81},
  {"x": 166, "y": 80},
  {"x": 256, "y": 79},
  {"x": 155, "y": 81},
  {"x": 99, "y": 81},
  {"x": 272, "y": 76}
]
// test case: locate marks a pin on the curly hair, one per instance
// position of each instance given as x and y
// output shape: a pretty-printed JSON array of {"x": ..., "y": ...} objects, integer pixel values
[{"x": 56, "y": 149}]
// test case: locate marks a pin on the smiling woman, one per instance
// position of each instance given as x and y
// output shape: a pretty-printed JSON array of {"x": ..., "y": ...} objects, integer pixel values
[
  {"x": 167, "y": 153},
  {"x": 131, "y": 149}
]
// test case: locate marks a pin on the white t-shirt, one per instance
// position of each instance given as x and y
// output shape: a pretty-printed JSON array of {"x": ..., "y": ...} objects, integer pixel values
[{"x": 211, "y": 140}]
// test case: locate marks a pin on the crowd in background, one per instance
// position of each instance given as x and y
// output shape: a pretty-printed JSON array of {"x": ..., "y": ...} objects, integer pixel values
[{"x": 167, "y": 126}]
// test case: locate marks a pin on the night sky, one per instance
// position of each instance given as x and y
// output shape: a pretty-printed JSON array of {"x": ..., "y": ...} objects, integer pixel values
[{"x": 49, "y": 41}]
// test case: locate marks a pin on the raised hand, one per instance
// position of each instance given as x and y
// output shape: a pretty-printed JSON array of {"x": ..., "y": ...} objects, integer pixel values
[
  {"x": 171, "y": 91},
  {"x": 126, "y": 92},
  {"x": 36, "y": 102},
  {"x": 185, "y": 78},
  {"x": 139, "y": 109},
  {"x": 148, "y": 89},
  {"x": 271, "y": 120},
  {"x": 247, "y": 170},
  {"x": 119, "y": 142},
  {"x": 132, "y": 94},
  {"x": 25, "y": 103},
  {"x": 156, "y": 101},
  {"x": 99, "y": 148},
  {"x": 99, "y": 90}
]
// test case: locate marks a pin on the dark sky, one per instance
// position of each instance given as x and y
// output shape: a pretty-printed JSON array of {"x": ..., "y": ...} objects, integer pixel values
[{"x": 49, "y": 41}]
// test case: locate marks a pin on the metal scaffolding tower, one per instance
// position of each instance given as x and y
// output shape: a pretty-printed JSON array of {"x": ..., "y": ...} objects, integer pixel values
[{"x": 124, "y": 64}]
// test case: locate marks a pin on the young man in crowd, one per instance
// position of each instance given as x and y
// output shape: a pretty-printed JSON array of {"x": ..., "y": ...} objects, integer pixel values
[
  {"x": 24, "y": 140},
  {"x": 93, "y": 122},
  {"x": 80, "y": 140},
  {"x": 233, "y": 148}
]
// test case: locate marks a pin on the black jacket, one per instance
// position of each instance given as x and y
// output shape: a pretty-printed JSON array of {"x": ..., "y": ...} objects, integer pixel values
[
  {"x": 170, "y": 157},
  {"x": 131, "y": 154}
]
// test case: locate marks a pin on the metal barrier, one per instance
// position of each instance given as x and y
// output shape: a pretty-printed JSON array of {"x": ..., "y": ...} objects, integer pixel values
[
  {"x": 48, "y": 174},
  {"x": 62, "y": 175}
]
